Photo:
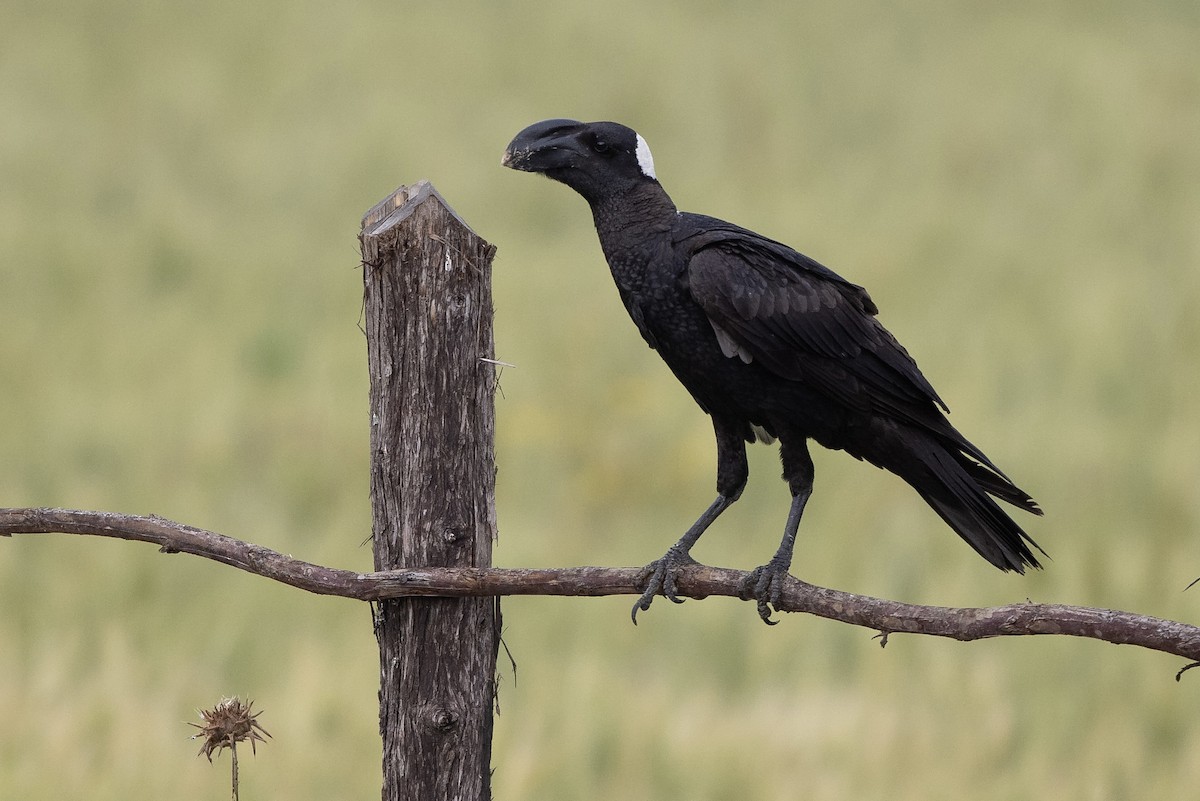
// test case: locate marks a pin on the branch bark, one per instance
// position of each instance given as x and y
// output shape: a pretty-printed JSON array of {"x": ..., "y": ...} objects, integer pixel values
[{"x": 699, "y": 581}]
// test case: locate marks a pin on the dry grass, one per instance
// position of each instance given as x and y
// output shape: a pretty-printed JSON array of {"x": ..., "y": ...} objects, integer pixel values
[{"x": 1018, "y": 185}]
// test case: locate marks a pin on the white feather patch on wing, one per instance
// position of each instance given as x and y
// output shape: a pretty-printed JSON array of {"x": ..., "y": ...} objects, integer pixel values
[
  {"x": 761, "y": 434},
  {"x": 645, "y": 160},
  {"x": 728, "y": 346}
]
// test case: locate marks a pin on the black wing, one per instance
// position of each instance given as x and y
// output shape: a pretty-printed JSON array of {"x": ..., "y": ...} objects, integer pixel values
[{"x": 770, "y": 304}]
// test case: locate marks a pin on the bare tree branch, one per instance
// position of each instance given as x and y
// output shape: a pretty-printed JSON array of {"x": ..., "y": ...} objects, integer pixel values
[{"x": 699, "y": 581}]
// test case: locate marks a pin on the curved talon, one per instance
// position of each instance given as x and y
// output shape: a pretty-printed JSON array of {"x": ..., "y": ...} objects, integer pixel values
[
  {"x": 659, "y": 578},
  {"x": 765, "y": 585},
  {"x": 640, "y": 605}
]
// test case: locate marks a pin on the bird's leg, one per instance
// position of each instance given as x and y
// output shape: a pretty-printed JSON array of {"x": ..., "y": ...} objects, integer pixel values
[
  {"x": 658, "y": 577},
  {"x": 765, "y": 584}
]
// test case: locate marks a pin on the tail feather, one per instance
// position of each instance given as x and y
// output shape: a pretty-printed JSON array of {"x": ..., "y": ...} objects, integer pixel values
[
  {"x": 960, "y": 490},
  {"x": 1000, "y": 486}
]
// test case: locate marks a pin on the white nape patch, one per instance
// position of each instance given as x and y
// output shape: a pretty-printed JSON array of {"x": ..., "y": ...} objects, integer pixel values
[{"x": 645, "y": 160}]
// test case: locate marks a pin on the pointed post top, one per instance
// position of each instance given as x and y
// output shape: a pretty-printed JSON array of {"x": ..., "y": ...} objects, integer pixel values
[{"x": 397, "y": 206}]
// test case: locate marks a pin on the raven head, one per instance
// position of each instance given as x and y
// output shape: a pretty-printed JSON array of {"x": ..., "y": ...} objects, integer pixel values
[{"x": 596, "y": 159}]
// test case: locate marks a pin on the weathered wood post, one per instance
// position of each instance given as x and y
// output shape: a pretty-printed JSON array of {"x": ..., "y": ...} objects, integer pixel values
[{"x": 428, "y": 312}]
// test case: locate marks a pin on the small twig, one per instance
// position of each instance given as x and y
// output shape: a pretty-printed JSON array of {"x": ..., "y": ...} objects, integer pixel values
[
  {"x": 499, "y": 365},
  {"x": 695, "y": 581}
]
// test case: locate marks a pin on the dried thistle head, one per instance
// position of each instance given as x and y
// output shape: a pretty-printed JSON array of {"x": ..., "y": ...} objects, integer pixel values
[{"x": 228, "y": 723}]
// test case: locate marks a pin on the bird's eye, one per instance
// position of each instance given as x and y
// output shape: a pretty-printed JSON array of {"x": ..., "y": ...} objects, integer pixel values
[{"x": 600, "y": 146}]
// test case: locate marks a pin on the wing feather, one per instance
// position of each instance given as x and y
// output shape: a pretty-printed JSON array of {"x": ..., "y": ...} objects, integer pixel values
[{"x": 800, "y": 320}]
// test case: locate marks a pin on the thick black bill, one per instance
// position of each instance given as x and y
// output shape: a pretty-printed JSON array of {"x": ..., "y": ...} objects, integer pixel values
[{"x": 542, "y": 146}]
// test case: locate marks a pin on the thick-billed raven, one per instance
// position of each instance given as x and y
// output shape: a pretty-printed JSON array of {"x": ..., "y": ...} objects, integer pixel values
[{"x": 772, "y": 345}]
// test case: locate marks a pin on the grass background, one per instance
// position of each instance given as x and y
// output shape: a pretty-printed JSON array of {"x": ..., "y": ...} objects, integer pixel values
[{"x": 1018, "y": 185}]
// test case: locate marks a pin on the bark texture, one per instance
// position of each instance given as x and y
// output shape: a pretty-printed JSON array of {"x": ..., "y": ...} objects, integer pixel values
[
  {"x": 428, "y": 314},
  {"x": 695, "y": 581}
]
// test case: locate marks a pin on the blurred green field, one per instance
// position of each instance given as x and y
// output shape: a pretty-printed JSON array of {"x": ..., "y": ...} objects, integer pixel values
[{"x": 1017, "y": 184}]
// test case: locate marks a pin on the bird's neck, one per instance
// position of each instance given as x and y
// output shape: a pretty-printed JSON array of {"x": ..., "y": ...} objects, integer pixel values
[
  {"x": 635, "y": 230},
  {"x": 628, "y": 215}
]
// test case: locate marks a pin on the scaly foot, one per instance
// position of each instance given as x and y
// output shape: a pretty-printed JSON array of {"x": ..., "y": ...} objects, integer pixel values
[
  {"x": 765, "y": 585},
  {"x": 658, "y": 578}
]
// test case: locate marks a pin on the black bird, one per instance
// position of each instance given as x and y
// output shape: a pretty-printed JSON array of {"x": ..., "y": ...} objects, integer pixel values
[{"x": 772, "y": 345}]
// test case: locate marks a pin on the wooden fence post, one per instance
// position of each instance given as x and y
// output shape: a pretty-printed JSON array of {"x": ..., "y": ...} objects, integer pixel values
[{"x": 428, "y": 314}]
